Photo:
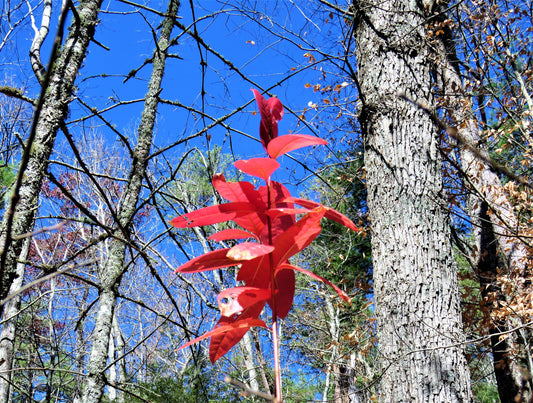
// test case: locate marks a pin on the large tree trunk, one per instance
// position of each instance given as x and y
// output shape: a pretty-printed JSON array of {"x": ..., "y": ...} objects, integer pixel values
[
  {"x": 415, "y": 275},
  {"x": 495, "y": 228},
  {"x": 115, "y": 266},
  {"x": 55, "y": 98}
]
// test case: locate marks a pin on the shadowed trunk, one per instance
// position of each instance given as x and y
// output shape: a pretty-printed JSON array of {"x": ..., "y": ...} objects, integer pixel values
[{"x": 495, "y": 229}]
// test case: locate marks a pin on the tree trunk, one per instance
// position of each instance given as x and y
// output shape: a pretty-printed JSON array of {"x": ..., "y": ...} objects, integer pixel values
[
  {"x": 248, "y": 354},
  {"x": 19, "y": 216},
  {"x": 121, "y": 350},
  {"x": 114, "y": 266},
  {"x": 415, "y": 275},
  {"x": 494, "y": 226},
  {"x": 8, "y": 333}
]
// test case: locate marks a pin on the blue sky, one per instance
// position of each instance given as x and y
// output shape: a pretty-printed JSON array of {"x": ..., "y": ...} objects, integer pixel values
[
  {"x": 267, "y": 44},
  {"x": 257, "y": 51}
]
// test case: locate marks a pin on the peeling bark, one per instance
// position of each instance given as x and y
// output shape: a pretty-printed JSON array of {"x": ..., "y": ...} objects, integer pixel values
[
  {"x": 8, "y": 333},
  {"x": 19, "y": 216}
]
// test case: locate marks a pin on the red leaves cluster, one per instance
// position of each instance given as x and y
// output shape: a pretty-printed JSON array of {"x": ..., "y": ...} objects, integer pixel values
[{"x": 268, "y": 217}]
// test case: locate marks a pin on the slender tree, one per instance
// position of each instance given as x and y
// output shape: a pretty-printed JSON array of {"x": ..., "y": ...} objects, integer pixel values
[
  {"x": 114, "y": 267},
  {"x": 499, "y": 247},
  {"x": 52, "y": 108}
]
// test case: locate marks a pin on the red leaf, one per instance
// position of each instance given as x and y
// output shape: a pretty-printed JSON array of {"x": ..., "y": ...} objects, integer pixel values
[
  {"x": 213, "y": 214},
  {"x": 222, "y": 342},
  {"x": 290, "y": 142},
  {"x": 208, "y": 261},
  {"x": 341, "y": 293},
  {"x": 261, "y": 167},
  {"x": 271, "y": 111},
  {"x": 285, "y": 286},
  {"x": 241, "y": 192},
  {"x": 277, "y": 193},
  {"x": 238, "y": 191},
  {"x": 242, "y": 324},
  {"x": 330, "y": 213},
  {"x": 249, "y": 251},
  {"x": 255, "y": 272},
  {"x": 253, "y": 222},
  {"x": 226, "y": 234},
  {"x": 278, "y": 212},
  {"x": 298, "y": 236},
  {"x": 240, "y": 299}
]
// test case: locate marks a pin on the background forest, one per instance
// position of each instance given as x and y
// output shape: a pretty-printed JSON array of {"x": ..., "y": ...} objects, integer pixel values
[{"x": 115, "y": 115}]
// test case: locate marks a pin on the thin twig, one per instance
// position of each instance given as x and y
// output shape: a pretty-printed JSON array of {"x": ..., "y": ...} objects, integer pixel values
[
  {"x": 268, "y": 397},
  {"x": 461, "y": 141}
]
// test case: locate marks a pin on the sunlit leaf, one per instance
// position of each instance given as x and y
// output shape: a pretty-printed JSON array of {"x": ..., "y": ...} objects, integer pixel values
[
  {"x": 213, "y": 214},
  {"x": 253, "y": 222},
  {"x": 290, "y": 142},
  {"x": 277, "y": 212},
  {"x": 341, "y": 293},
  {"x": 243, "y": 192},
  {"x": 240, "y": 298},
  {"x": 243, "y": 324},
  {"x": 208, "y": 261},
  {"x": 331, "y": 214},
  {"x": 255, "y": 272},
  {"x": 261, "y": 167},
  {"x": 249, "y": 251},
  {"x": 237, "y": 191},
  {"x": 297, "y": 237},
  {"x": 231, "y": 233},
  {"x": 223, "y": 341}
]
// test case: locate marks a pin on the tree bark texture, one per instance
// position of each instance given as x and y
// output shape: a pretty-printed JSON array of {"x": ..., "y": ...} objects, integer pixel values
[
  {"x": 8, "y": 333},
  {"x": 57, "y": 97},
  {"x": 495, "y": 228},
  {"x": 114, "y": 267},
  {"x": 415, "y": 275}
]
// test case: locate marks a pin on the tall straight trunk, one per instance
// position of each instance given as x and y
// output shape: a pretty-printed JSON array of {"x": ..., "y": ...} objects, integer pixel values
[
  {"x": 19, "y": 216},
  {"x": 8, "y": 333},
  {"x": 415, "y": 275},
  {"x": 495, "y": 229},
  {"x": 121, "y": 350},
  {"x": 248, "y": 354},
  {"x": 114, "y": 266}
]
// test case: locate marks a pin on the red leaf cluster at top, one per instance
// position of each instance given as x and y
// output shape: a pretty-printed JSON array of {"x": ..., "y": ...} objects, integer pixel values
[{"x": 268, "y": 216}]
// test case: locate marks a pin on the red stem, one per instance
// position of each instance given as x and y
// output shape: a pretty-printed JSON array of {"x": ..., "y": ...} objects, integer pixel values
[{"x": 275, "y": 340}]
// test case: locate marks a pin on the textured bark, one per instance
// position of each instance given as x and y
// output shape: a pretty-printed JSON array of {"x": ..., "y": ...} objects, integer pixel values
[
  {"x": 248, "y": 354},
  {"x": 8, "y": 333},
  {"x": 494, "y": 227},
  {"x": 114, "y": 266},
  {"x": 57, "y": 97},
  {"x": 415, "y": 279},
  {"x": 121, "y": 350}
]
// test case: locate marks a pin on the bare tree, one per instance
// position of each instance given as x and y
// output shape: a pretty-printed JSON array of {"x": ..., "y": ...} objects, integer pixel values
[
  {"x": 500, "y": 240},
  {"x": 52, "y": 108},
  {"x": 114, "y": 267}
]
